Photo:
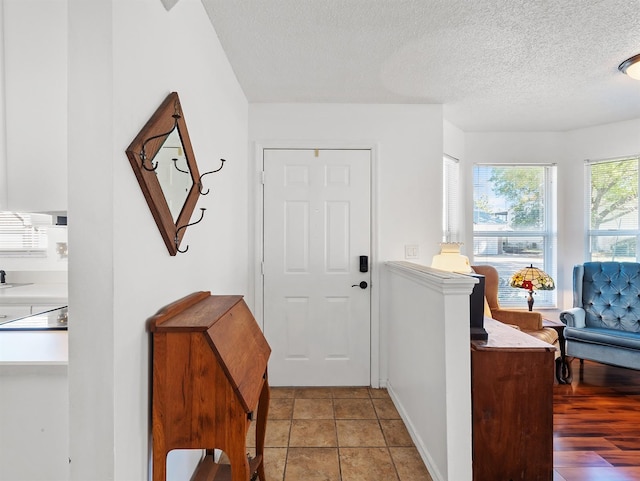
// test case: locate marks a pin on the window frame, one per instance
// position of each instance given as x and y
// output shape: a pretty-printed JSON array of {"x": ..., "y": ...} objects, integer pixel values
[
  {"x": 591, "y": 233},
  {"x": 30, "y": 227},
  {"x": 451, "y": 225},
  {"x": 549, "y": 233}
]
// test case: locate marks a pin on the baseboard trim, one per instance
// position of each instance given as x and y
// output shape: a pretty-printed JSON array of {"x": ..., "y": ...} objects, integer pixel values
[{"x": 435, "y": 473}]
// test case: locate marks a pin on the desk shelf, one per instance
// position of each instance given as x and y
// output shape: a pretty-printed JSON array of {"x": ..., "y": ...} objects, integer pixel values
[{"x": 209, "y": 470}]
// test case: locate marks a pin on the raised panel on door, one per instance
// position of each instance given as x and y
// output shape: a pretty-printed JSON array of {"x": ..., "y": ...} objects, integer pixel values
[{"x": 296, "y": 237}]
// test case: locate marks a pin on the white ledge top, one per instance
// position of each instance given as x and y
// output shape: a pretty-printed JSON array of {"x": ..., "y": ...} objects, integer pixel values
[{"x": 447, "y": 282}]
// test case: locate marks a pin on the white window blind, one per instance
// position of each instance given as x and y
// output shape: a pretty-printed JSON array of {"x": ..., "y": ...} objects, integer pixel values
[
  {"x": 21, "y": 235},
  {"x": 514, "y": 224},
  {"x": 612, "y": 209},
  {"x": 450, "y": 201}
]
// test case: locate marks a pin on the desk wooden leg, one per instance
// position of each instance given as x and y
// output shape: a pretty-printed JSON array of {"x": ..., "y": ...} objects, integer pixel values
[
  {"x": 261, "y": 425},
  {"x": 239, "y": 464},
  {"x": 159, "y": 464}
]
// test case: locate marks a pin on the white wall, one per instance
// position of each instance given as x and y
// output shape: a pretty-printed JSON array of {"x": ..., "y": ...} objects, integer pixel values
[
  {"x": 602, "y": 142},
  {"x": 453, "y": 140},
  {"x": 35, "y": 57},
  {"x": 408, "y": 171},
  {"x": 518, "y": 147},
  {"x": 124, "y": 58},
  {"x": 33, "y": 140},
  {"x": 569, "y": 150}
]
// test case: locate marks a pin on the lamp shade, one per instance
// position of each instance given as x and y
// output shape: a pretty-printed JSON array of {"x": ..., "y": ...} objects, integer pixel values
[
  {"x": 450, "y": 258},
  {"x": 532, "y": 279}
]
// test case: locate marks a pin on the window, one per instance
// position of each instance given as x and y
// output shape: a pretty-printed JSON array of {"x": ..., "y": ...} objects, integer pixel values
[
  {"x": 612, "y": 209},
  {"x": 514, "y": 212},
  {"x": 450, "y": 205},
  {"x": 23, "y": 235}
]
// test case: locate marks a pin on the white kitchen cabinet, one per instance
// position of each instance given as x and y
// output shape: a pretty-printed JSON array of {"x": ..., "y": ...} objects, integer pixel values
[
  {"x": 3, "y": 143},
  {"x": 34, "y": 406},
  {"x": 35, "y": 102},
  {"x": 34, "y": 415}
]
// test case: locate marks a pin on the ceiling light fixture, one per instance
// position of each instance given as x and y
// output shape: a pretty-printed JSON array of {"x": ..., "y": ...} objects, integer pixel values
[{"x": 631, "y": 67}]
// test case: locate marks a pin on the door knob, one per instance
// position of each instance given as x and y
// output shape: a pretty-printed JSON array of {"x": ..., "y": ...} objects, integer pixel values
[{"x": 362, "y": 285}]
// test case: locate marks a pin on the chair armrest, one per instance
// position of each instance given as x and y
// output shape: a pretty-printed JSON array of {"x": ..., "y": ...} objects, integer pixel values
[
  {"x": 573, "y": 317},
  {"x": 525, "y": 320}
]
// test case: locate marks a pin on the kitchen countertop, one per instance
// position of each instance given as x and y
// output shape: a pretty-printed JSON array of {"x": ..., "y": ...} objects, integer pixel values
[
  {"x": 34, "y": 348},
  {"x": 37, "y": 293},
  {"x": 42, "y": 321}
]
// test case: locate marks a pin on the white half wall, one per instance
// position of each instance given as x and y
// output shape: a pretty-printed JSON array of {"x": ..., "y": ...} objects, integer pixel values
[
  {"x": 124, "y": 59},
  {"x": 429, "y": 363}
]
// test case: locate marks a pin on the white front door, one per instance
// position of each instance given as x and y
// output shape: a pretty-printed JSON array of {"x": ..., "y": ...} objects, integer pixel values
[{"x": 317, "y": 224}]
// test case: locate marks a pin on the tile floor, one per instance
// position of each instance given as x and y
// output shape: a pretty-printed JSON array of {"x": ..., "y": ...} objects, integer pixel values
[{"x": 337, "y": 434}]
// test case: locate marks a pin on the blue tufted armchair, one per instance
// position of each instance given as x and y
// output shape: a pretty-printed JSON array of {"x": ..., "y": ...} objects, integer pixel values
[{"x": 604, "y": 324}]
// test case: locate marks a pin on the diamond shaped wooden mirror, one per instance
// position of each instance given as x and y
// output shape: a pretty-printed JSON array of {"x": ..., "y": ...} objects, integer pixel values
[{"x": 164, "y": 163}]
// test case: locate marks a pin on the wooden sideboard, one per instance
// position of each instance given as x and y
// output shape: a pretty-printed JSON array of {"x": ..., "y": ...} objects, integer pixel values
[
  {"x": 209, "y": 382},
  {"x": 512, "y": 404}
]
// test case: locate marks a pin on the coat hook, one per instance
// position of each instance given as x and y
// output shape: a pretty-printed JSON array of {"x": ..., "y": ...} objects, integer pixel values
[
  {"x": 176, "y": 240},
  {"x": 207, "y": 173},
  {"x": 143, "y": 159},
  {"x": 143, "y": 152},
  {"x": 175, "y": 163}
]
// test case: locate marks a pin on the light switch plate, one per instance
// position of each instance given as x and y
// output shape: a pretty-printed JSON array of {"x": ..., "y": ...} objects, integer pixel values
[{"x": 411, "y": 251}]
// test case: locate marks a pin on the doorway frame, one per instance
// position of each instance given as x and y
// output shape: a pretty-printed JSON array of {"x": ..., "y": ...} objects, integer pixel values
[{"x": 256, "y": 194}]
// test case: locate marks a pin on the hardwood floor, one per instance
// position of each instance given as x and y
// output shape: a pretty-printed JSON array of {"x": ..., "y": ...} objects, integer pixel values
[{"x": 597, "y": 424}]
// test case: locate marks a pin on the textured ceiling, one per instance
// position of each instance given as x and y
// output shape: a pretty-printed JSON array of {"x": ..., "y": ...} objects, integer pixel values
[{"x": 546, "y": 65}]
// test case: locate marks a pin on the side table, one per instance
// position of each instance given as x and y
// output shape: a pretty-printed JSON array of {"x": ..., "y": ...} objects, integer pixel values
[{"x": 564, "y": 374}]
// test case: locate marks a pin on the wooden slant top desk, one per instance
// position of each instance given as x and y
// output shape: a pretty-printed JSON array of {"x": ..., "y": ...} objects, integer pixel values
[{"x": 209, "y": 381}]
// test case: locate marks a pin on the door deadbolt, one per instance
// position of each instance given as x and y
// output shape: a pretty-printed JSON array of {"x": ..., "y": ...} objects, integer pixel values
[{"x": 362, "y": 285}]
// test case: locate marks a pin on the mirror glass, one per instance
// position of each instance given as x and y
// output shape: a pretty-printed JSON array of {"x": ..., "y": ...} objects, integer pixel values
[
  {"x": 170, "y": 187},
  {"x": 173, "y": 173}
]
